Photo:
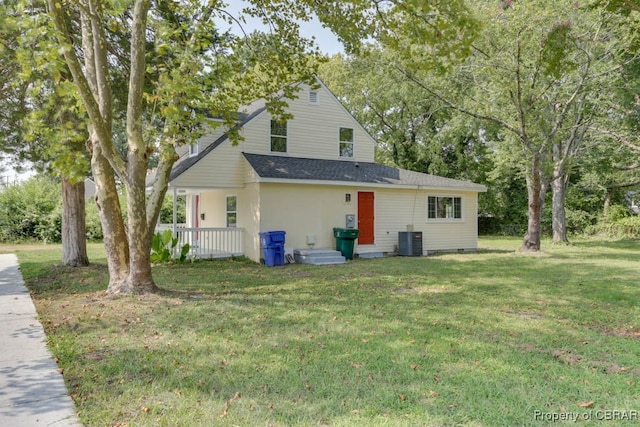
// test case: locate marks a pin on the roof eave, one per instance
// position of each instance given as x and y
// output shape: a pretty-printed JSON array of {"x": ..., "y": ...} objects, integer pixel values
[{"x": 475, "y": 189}]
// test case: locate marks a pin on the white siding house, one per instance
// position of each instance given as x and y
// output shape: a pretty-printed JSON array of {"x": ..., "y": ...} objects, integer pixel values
[{"x": 305, "y": 176}]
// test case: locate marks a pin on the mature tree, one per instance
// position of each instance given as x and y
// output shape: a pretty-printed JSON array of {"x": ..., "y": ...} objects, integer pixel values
[
  {"x": 539, "y": 71},
  {"x": 41, "y": 124},
  {"x": 193, "y": 70},
  {"x": 413, "y": 129}
]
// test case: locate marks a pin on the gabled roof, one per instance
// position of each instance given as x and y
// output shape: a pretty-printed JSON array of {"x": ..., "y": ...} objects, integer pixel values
[
  {"x": 254, "y": 110},
  {"x": 182, "y": 166},
  {"x": 296, "y": 168}
]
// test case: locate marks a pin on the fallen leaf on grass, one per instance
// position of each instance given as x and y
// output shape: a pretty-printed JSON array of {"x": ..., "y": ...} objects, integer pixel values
[
  {"x": 227, "y": 404},
  {"x": 586, "y": 404}
]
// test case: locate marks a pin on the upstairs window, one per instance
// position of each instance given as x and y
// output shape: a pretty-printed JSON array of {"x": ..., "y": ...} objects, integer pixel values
[
  {"x": 444, "y": 207},
  {"x": 346, "y": 142},
  {"x": 194, "y": 149},
  {"x": 232, "y": 211},
  {"x": 278, "y": 136}
]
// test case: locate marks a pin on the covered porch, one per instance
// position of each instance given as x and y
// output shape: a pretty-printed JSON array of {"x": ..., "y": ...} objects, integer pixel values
[
  {"x": 208, "y": 242},
  {"x": 210, "y": 235}
]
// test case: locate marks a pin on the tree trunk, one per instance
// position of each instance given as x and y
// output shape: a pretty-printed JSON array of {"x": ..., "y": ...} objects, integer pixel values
[
  {"x": 128, "y": 249},
  {"x": 559, "y": 193},
  {"x": 607, "y": 202},
  {"x": 139, "y": 279},
  {"x": 536, "y": 189},
  {"x": 74, "y": 242},
  {"x": 108, "y": 203}
]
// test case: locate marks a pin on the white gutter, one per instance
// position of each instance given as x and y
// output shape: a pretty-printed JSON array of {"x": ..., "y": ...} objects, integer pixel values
[{"x": 478, "y": 188}]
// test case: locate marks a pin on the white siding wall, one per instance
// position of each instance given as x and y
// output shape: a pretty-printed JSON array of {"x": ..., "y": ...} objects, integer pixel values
[
  {"x": 213, "y": 205},
  {"x": 315, "y": 210},
  {"x": 395, "y": 210},
  {"x": 224, "y": 167},
  {"x": 313, "y": 132},
  {"x": 303, "y": 211},
  {"x": 249, "y": 216}
]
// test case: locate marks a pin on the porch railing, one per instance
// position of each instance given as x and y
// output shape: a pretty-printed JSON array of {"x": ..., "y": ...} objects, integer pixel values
[{"x": 212, "y": 242}]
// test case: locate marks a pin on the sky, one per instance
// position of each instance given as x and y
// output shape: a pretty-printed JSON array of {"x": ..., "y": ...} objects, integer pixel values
[
  {"x": 9, "y": 175},
  {"x": 325, "y": 39}
]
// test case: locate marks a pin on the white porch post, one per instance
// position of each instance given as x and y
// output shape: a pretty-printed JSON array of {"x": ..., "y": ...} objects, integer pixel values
[{"x": 175, "y": 214}]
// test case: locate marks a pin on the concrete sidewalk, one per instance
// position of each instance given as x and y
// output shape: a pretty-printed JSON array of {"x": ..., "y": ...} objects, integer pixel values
[{"x": 32, "y": 391}]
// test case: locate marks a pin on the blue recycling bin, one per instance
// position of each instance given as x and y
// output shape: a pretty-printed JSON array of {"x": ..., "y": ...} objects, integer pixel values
[
  {"x": 273, "y": 247},
  {"x": 273, "y": 256},
  {"x": 272, "y": 238}
]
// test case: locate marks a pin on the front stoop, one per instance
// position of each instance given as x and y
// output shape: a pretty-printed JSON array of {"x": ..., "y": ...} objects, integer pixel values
[{"x": 318, "y": 256}]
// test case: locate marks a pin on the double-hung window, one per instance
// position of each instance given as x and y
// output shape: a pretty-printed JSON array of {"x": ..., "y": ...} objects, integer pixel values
[
  {"x": 444, "y": 207},
  {"x": 232, "y": 211},
  {"x": 346, "y": 142},
  {"x": 278, "y": 136}
]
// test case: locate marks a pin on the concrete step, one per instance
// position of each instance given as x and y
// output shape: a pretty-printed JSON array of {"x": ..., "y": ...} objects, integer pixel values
[
  {"x": 318, "y": 256},
  {"x": 371, "y": 255}
]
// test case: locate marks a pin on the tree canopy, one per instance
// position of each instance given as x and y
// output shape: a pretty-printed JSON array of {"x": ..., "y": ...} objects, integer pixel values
[{"x": 537, "y": 80}]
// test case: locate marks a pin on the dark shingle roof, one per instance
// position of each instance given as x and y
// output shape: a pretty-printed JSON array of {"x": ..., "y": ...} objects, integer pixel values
[{"x": 295, "y": 168}]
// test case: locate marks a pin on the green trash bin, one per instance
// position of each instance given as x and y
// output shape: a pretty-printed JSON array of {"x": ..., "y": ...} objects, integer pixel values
[{"x": 345, "y": 240}]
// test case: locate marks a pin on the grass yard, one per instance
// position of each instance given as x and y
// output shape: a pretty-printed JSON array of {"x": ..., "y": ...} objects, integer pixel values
[{"x": 486, "y": 339}]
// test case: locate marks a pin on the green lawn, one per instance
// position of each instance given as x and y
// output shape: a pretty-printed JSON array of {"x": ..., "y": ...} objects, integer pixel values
[{"x": 485, "y": 339}]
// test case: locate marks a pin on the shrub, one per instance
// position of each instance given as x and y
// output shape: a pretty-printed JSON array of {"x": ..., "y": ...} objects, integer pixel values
[
  {"x": 31, "y": 210},
  {"x": 164, "y": 248},
  {"x": 616, "y": 213},
  {"x": 617, "y": 223},
  {"x": 579, "y": 221},
  {"x": 627, "y": 227}
]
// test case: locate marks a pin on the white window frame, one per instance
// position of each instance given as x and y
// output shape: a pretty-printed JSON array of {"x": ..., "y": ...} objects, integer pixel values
[
  {"x": 314, "y": 97},
  {"x": 227, "y": 211},
  {"x": 285, "y": 136},
  {"x": 352, "y": 142},
  {"x": 452, "y": 207},
  {"x": 194, "y": 149}
]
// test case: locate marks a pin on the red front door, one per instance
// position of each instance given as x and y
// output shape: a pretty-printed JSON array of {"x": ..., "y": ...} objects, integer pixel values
[{"x": 365, "y": 218}]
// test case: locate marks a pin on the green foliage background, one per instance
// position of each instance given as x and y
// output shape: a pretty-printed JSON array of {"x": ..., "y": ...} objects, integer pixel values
[{"x": 31, "y": 210}]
